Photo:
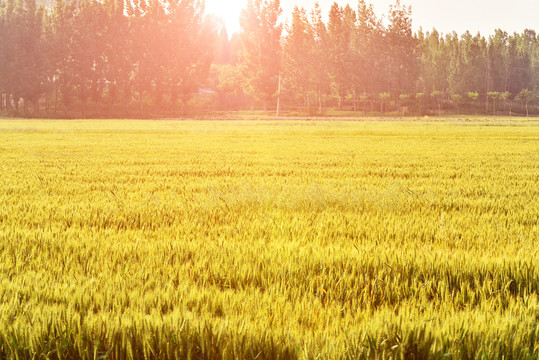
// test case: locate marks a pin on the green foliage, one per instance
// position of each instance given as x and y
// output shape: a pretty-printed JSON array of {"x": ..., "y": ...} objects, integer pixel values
[
  {"x": 299, "y": 54},
  {"x": 473, "y": 95},
  {"x": 384, "y": 97},
  {"x": 213, "y": 240},
  {"x": 76, "y": 54},
  {"x": 147, "y": 58},
  {"x": 526, "y": 96},
  {"x": 261, "y": 49},
  {"x": 506, "y": 95},
  {"x": 401, "y": 61},
  {"x": 342, "y": 52},
  {"x": 456, "y": 98},
  {"x": 228, "y": 83},
  {"x": 495, "y": 96}
]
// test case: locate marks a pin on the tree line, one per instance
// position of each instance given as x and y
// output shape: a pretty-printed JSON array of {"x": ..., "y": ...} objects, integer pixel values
[
  {"x": 156, "y": 57},
  {"x": 111, "y": 57},
  {"x": 357, "y": 61}
]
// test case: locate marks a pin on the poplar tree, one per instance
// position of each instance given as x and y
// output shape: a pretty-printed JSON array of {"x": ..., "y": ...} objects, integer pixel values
[
  {"x": 61, "y": 45},
  {"x": 403, "y": 65},
  {"x": 23, "y": 71},
  {"x": 434, "y": 63},
  {"x": 261, "y": 49},
  {"x": 320, "y": 60},
  {"x": 222, "y": 51},
  {"x": 298, "y": 55},
  {"x": 368, "y": 42},
  {"x": 186, "y": 64},
  {"x": 341, "y": 29},
  {"x": 118, "y": 54}
]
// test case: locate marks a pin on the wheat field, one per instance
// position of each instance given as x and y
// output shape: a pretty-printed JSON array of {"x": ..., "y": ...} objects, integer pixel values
[{"x": 269, "y": 240}]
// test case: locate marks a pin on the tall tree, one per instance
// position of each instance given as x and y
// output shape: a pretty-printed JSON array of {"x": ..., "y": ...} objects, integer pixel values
[
  {"x": 474, "y": 72},
  {"x": 368, "y": 44},
  {"x": 23, "y": 70},
  {"x": 61, "y": 45},
  {"x": 320, "y": 61},
  {"x": 434, "y": 63},
  {"x": 222, "y": 45},
  {"x": 88, "y": 53},
  {"x": 498, "y": 62},
  {"x": 521, "y": 54},
  {"x": 261, "y": 48},
  {"x": 341, "y": 32},
  {"x": 118, "y": 54},
  {"x": 525, "y": 97},
  {"x": 187, "y": 63},
  {"x": 401, "y": 50},
  {"x": 298, "y": 55},
  {"x": 456, "y": 65}
]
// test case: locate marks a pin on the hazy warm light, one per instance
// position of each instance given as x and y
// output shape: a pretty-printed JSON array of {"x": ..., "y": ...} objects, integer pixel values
[
  {"x": 511, "y": 16},
  {"x": 228, "y": 10}
]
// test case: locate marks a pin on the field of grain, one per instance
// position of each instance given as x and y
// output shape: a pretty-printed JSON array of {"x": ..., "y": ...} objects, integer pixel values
[{"x": 269, "y": 240}]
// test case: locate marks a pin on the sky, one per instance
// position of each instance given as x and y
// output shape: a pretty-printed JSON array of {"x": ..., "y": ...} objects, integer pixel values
[{"x": 445, "y": 15}]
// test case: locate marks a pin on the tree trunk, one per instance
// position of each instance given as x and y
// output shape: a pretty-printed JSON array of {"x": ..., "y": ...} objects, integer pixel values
[
  {"x": 125, "y": 102},
  {"x": 510, "y": 110},
  {"x": 279, "y": 97},
  {"x": 488, "y": 80},
  {"x": 364, "y": 103},
  {"x": 56, "y": 99},
  {"x": 83, "y": 109},
  {"x": 141, "y": 110}
]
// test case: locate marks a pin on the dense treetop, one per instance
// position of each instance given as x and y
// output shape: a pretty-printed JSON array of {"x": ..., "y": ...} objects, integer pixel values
[{"x": 155, "y": 57}]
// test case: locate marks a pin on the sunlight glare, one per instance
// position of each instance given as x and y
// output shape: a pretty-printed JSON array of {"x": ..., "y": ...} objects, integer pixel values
[{"x": 228, "y": 10}]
